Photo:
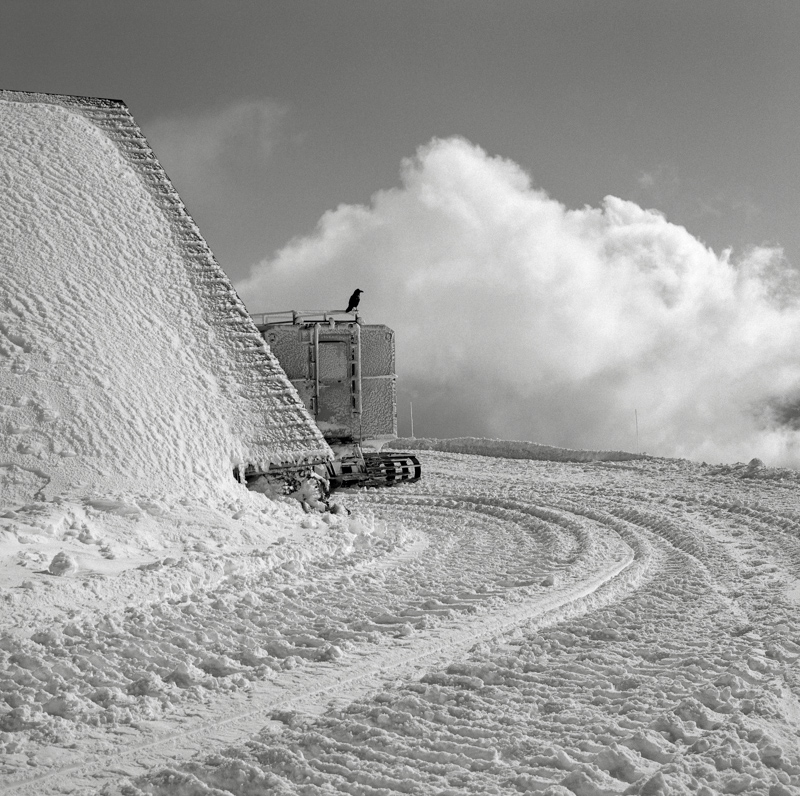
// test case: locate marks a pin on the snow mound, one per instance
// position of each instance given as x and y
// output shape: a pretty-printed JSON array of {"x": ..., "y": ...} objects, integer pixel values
[
  {"x": 755, "y": 469},
  {"x": 127, "y": 361},
  {"x": 62, "y": 564},
  {"x": 511, "y": 449}
]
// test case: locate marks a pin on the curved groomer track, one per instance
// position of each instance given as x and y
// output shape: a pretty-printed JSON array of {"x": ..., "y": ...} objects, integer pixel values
[{"x": 512, "y": 627}]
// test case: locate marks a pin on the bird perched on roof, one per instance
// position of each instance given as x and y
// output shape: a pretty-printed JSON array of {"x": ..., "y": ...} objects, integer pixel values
[{"x": 354, "y": 299}]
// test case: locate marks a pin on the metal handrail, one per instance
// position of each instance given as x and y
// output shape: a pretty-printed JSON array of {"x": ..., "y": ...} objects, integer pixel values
[{"x": 298, "y": 316}]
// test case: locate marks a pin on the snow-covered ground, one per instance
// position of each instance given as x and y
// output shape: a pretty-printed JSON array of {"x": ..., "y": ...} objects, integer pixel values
[{"x": 503, "y": 626}]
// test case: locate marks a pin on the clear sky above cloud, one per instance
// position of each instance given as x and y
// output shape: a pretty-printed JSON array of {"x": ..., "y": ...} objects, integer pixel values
[{"x": 272, "y": 118}]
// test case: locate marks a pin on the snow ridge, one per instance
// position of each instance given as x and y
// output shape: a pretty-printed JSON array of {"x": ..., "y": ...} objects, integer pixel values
[{"x": 512, "y": 449}]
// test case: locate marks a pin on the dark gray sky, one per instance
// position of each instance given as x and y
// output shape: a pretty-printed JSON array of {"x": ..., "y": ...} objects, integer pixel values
[{"x": 268, "y": 113}]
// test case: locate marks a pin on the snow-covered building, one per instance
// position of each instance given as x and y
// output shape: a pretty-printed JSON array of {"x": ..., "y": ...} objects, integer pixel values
[{"x": 127, "y": 361}]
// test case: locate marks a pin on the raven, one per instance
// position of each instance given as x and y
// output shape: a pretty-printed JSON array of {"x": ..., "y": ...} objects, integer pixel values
[{"x": 354, "y": 299}]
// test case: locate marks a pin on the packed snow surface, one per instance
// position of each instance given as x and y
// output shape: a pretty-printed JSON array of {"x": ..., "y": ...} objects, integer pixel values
[
  {"x": 127, "y": 362},
  {"x": 502, "y": 626}
]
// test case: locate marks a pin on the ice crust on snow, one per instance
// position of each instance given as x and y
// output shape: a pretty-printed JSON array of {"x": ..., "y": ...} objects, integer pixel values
[{"x": 126, "y": 359}]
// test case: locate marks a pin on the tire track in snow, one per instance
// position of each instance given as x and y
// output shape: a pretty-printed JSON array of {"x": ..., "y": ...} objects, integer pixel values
[
  {"x": 597, "y": 567},
  {"x": 655, "y": 692}
]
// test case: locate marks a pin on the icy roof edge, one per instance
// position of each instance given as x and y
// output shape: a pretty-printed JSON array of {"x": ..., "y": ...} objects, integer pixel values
[{"x": 58, "y": 99}]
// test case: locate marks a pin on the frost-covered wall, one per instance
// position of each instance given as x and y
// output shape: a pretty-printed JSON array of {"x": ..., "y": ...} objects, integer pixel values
[{"x": 127, "y": 361}]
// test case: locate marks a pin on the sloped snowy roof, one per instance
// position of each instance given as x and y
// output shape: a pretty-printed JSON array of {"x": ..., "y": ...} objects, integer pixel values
[{"x": 127, "y": 360}]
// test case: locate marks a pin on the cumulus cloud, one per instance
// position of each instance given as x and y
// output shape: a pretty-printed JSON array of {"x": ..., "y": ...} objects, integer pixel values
[{"x": 519, "y": 318}]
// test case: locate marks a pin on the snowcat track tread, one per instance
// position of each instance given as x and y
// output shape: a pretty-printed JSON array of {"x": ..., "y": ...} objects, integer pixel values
[
  {"x": 392, "y": 468},
  {"x": 374, "y": 469}
]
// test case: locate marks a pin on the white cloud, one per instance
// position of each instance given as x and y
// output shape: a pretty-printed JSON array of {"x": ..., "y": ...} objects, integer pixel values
[{"x": 519, "y": 318}]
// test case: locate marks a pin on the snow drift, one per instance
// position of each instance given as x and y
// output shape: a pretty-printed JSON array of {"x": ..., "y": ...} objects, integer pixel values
[{"x": 126, "y": 359}]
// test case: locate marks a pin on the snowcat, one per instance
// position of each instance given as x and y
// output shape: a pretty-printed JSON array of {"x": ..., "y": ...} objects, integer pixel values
[{"x": 344, "y": 372}]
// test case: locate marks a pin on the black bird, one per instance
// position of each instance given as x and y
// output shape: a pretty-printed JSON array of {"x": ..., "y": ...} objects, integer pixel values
[{"x": 354, "y": 299}]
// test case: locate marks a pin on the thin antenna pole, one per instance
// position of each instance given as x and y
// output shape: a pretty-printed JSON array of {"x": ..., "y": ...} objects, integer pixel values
[
  {"x": 636, "y": 418},
  {"x": 411, "y": 407}
]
